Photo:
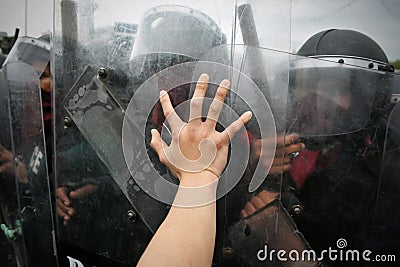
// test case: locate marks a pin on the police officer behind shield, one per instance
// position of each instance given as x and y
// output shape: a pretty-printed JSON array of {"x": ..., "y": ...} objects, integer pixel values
[
  {"x": 339, "y": 112},
  {"x": 35, "y": 52},
  {"x": 28, "y": 80}
]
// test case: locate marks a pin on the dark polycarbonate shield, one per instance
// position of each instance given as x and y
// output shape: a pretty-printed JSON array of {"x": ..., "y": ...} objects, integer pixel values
[
  {"x": 92, "y": 175},
  {"x": 30, "y": 206},
  {"x": 270, "y": 229}
]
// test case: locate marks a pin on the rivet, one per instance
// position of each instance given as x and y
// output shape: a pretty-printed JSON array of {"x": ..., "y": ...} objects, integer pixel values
[
  {"x": 67, "y": 122},
  {"x": 131, "y": 215},
  {"x": 102, "y": 72},
  {"x": 228, "y": 252}
]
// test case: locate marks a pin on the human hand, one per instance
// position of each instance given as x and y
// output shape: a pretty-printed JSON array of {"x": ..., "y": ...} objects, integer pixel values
[
  {"x": 7, "y": 166},
  {"x": 196, "y": 147},
  {"x": 6, "y": 161},
  {"x": 64, "y": 208},
  {"x": 286, "y": 146},
  {"x": 257, "y": 202}
]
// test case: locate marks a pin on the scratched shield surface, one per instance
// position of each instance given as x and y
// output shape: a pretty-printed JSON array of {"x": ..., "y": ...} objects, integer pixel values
[{"x": 25, "y": 190}]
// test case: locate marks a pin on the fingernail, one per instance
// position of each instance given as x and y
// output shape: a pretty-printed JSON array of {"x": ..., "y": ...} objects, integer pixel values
[
  {"x": 248, "y": 114},
  {"x": 203, "y": 77},
  {"x": 303, "y": 146},
  {"x": 225, "y": 83},
  {"x": 162, "y": 93},
  {"x": 153, "y": 131}
]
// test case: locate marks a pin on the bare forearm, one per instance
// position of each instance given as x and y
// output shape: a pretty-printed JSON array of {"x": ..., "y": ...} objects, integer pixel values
[{"x": 186, "y": 237}]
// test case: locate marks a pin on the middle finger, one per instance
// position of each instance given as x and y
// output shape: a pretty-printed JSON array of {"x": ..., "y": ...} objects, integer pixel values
[{"x": 217, "y": 104}]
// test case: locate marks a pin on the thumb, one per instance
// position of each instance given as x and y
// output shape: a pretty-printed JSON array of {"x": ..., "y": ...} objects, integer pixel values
[{"x": 158, "y": 145}]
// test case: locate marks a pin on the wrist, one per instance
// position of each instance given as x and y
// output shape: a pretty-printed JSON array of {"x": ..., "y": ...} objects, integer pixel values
[
  {"x": 196, "y": 189},
  {"x": 198, "y": 179}
]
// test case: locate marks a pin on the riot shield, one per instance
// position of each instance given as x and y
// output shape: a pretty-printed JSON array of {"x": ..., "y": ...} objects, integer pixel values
[
  {"x": 381, "y": 233},
  {"x": 26, "y": 198},
  {"x": 9, "y": 195},
  {"x": 339, "y": 180},
  {"x": 342, "y": 144},
  {"x": 104, "y": 54},
  {"x": 111, "y": 62},
  {"x": 329, "y": 105}
]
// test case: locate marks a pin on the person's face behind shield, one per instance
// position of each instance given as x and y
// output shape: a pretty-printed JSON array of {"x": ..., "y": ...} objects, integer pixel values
[
  {"x": 45, "y": 77},
  {"x": 321, "y": 107}
]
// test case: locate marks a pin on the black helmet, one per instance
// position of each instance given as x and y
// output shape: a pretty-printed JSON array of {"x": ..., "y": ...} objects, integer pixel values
[
  {"x": 334, "y": 80},
  {"x": 348, "y": 46}
]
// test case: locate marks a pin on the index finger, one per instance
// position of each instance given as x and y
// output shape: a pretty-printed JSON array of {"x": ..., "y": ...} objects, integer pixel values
[
  {"x": 285, "y": 140},
  {"x": 83, "y": 191},
  {"x": 169, "y": 113}
]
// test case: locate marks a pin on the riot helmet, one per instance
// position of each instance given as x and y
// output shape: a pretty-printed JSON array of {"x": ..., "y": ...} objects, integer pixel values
[
  {"x": 333, "y": 81},
  {"x": 172, "y": 34},
  {"x": 2, "y": 59},
  {"x": 169, "y": 35},
  {"x": 32, "y": 51},
  {"x": 348, "y": 46}
]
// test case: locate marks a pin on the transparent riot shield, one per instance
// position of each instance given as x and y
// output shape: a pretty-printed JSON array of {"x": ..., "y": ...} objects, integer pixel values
[
  {"x": 10, "y": 207},
  {"x": 104, "y": 53},
  {"x": 333, "y": 107},
  {"x": 381, "y": 233},
  {"x": 26, "y": 198},
  {"x": 242, "y": 236},
  {"x": 329, "y": 107},
  {"x": 111, "y": 62}
]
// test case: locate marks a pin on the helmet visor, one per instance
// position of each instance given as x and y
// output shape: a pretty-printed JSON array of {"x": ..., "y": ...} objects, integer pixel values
[
  {"x": 328, "y": 98},
  {"x": 31, "y": 51}
]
